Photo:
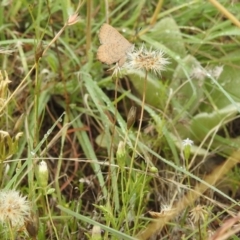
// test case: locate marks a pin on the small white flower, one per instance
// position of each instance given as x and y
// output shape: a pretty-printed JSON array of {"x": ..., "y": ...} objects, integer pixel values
[
  {"x": 42, "y": 174},
  {"x": 43, "y": 167},
  {"x": 187, "y": 142}
]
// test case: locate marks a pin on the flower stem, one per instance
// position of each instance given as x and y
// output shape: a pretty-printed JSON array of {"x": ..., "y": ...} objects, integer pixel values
[{"x": 139, "y": 127}]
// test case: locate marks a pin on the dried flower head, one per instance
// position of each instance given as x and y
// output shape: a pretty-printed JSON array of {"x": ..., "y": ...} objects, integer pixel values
[
  {"x": 216, "y": 71},
  {"x": 13, "y": 208},
  {"x": 198, "y": 213},
  {"x": 199, "y": 73},
  {"x": 148, "y": 60}
]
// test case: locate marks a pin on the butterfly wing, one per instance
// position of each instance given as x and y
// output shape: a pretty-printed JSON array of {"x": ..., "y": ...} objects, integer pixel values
[
  {"x": 108, "y": 34},
  {"x": 114, "y": 46},
  {"x": 109, "y": 53}
]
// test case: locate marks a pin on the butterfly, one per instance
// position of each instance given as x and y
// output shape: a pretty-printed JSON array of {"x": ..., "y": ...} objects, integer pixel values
[{"x": 114, "y": 47}]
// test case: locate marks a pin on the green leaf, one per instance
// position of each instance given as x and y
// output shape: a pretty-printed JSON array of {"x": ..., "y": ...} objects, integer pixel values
[
  {"x": 186, "y": 92},
  {"x": 230, "y": 82},
  {"x": 203, "y": 123},
  {"x": 167, "y": 32},
  {"x": 156, "y": 91}
]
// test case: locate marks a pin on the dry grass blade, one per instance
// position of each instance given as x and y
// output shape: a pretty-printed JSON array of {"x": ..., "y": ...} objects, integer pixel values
[{"x": 227, "y": 230}]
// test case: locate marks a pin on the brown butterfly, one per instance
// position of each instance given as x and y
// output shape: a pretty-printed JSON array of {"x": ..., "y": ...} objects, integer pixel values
[{"x": 114, "y": 46}]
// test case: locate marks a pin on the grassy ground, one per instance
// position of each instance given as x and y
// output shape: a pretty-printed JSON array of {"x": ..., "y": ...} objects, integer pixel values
[{"x": 150, "y": 152}]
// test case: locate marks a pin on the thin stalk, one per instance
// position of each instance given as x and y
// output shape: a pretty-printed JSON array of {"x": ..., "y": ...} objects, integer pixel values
[
  {"x": 139, "y": 129},
  {"x": 225, "y": 12},
  {"x": 89, "y": 27},
  {"x": 113, "y": 173},
  {"x": 156, "y": 12}
]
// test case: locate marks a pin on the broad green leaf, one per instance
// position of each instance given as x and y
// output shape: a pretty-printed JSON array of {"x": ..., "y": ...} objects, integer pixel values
[
  {"x": 156, "y": 92},
  {"x": 203, "y": 123},
  {"x": 230, "y": 82},
  {"x": 187, "y": 92},
  {"x": 167, "y": 32}
]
